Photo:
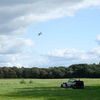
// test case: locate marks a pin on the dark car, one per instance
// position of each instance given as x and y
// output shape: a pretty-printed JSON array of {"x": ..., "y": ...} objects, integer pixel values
[{"x": 73, "y": 83}]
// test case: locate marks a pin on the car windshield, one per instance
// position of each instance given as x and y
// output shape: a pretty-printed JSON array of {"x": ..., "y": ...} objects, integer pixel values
[{"x": 71, "y": 80}]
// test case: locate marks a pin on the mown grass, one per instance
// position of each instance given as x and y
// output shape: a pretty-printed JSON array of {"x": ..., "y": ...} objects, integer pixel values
[{"x": 47, "y": 89}]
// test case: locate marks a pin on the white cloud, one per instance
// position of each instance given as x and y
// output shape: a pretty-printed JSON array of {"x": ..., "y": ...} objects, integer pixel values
[
  {"x": 98, "y": 38},
  {"x": 22, "y": 12},
  {"x": 13, "y": 45},
  {"x": 12, "y": 48},
  {"x": 68, "y": 56}
]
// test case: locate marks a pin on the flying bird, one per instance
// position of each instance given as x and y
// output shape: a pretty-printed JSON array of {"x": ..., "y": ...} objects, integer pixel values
[{"x": 40, "y": 33}]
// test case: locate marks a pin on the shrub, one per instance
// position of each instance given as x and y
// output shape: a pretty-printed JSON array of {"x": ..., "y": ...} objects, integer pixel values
[
  {"x": 30, "y": 81},
  {"x": 22, "y": 82}
]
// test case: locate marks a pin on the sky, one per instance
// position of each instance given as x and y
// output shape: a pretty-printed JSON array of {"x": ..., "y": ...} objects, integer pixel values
[{"x": 70, "y": 32}]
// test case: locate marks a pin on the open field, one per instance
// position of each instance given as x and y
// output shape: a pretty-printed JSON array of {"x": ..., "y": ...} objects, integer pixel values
[{"x": 47, "y": 89}]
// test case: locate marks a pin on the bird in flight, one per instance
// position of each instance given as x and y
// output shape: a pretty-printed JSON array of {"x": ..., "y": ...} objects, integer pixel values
[{"x": 40, "y": 33}]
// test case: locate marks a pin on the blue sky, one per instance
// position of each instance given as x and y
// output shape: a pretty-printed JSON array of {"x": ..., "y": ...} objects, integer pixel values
[
  {"x": 77, "y": 31},
  {"x": 71, "y": 32},
  {"x": 74, "y": 32}
]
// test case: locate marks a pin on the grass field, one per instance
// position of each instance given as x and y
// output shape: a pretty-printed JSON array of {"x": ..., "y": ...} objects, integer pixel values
[{"x": 47, "y": 89}]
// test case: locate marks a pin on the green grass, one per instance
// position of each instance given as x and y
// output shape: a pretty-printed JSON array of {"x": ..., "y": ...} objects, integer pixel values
[{"x": 47, "y": 89}]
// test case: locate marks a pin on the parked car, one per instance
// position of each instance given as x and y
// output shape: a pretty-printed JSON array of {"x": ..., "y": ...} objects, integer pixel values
[{"x": 73, "y": 83}]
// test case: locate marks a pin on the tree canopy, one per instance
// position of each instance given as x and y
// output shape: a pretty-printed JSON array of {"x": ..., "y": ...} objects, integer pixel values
[{"x": 73, "y": 71}]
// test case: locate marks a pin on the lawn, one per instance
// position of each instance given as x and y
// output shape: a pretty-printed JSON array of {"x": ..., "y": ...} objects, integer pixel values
[{"x": 47, "y": 89}]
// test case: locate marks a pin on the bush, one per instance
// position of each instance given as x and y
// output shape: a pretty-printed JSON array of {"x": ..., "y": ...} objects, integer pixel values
[
  {"x": 30, "y": 81},
  {"x": 22, "y": 82}
]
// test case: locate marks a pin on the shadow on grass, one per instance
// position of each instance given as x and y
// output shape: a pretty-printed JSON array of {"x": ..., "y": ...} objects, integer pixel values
[{"x": 57, "y": 93}]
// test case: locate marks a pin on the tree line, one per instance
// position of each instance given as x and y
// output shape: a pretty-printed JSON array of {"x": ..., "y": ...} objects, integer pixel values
[{"x": 73, "y": 71}]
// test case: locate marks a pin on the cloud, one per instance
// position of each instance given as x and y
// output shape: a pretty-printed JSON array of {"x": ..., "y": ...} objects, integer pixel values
[
  {"x": 68, "y": 56},
  {"x": 22, "y": 12},
  {"x": 13, "y": 45},
  {"x": 12, "y": 48},
  {"x": 98, "y": 39}
]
